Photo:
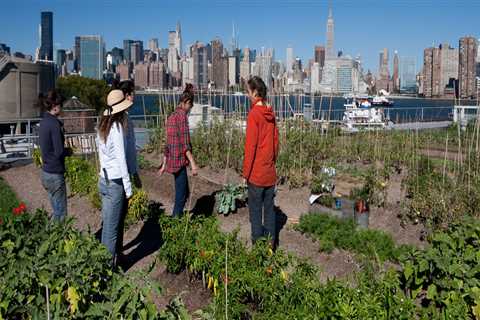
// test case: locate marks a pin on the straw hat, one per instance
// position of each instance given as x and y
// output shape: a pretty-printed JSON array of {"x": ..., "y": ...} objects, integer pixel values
[{"x": 116, "y": 102}]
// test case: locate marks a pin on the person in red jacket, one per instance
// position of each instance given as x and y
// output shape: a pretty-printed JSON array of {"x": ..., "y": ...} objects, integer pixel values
[{"x": 261, "y": 150}]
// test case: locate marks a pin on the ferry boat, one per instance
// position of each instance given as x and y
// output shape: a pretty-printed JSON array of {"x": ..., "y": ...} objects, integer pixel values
[{"x": 360, "y": 114}]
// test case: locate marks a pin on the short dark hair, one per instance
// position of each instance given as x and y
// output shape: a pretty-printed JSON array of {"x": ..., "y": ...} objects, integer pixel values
[
  {"x": 127, "y": 86},
  {"x": 47, "y": 103},
  {"x": 256, "y": 83}
]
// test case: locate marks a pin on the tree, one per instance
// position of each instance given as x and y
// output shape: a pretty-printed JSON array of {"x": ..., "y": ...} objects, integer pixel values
[{"x": 89, "y": 91}]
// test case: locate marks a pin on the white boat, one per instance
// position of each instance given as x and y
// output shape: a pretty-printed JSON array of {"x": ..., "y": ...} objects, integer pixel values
[
  {"x": 361, "y": 115},
  {"x": 381, "y": 101}
]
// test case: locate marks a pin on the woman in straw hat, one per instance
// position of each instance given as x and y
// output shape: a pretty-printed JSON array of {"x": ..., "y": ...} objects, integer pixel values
[{"x": 114, "y": 185}]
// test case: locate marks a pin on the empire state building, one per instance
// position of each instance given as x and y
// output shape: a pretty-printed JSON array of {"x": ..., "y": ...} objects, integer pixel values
[{"x": 330, "y": 50}]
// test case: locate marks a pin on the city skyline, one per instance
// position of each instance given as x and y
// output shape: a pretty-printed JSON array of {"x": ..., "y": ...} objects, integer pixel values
[{"x": 302, "y": 33}]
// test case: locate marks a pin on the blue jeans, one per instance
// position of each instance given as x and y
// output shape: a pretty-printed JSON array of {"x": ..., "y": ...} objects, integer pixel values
[
  {"x": 113, "y": 213},
  {"x": 262, "y": 212},
  {"x": 57, "y": 193},
  {"x": 181, "y": 191}
]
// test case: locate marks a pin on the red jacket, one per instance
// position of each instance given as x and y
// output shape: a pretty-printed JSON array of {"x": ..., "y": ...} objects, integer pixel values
[{"x": 261, "y": 146}]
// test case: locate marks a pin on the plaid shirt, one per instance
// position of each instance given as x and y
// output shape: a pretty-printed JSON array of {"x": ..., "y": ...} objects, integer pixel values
[{"x": 178, "y": 141}]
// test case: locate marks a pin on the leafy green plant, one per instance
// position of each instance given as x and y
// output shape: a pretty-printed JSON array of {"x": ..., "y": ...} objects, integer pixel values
[
  {"x": 446, "y": 276},
  {"x": 37, "y": 157},
  {"x": 323, "y": 182},
  {"x": 258, "y": 283},
  {"x": 227, "y": 198},
  {"x": 8, "y": 198},
  {"x": 83, "y": 179},
  {"x": 44, "y": 261},
  {"x": 343, "y": 234},
  {"x": 137, "y": 207},
  {"x": 144, "y": 163}
]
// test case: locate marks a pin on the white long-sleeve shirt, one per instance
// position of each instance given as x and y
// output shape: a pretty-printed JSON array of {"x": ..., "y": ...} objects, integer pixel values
[{"x": 113, "y": 157}]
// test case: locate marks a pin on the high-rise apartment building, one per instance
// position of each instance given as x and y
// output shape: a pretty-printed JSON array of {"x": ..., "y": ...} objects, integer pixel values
[
  {"x": 141, "y": 75},
  {"x": 46, "y": 36},
  {"x": 432, "y": 76},
  {"x": 319, "y": 55},
  {"x": 92, "y": 56},
  {"x": 157, "y": 75},
  {"x": 124, "y": 71},
  {"x": 468, "y": 49},
  {"x": 449, "y": 65},
  {"x": 219, "y": 64},
  {"x": 200, "y": 65}
]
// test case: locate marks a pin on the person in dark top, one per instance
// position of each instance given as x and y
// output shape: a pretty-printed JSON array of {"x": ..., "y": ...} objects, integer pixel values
[{"x": 52, "y": 139}]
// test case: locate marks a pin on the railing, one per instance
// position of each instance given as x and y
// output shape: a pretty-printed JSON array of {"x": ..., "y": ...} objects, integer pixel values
[
  {"x": 20, "y": 146},
  {"x": 3, "y": 61}
]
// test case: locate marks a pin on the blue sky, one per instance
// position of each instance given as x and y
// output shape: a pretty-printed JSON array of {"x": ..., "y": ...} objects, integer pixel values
[{"x": 361, "y": 27}]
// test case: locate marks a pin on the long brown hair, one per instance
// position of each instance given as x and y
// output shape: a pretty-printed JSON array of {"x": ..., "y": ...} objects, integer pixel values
[{"x": 106, "y": 123}]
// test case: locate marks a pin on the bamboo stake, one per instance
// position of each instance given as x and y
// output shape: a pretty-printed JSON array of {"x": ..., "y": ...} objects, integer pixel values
[
  {"x": 226, "y": 280},
  {"x": 48, "y": 301}
]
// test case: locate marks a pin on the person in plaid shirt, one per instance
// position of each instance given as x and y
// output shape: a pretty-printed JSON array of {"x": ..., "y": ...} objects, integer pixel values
[{"x": 178, "y": 150}]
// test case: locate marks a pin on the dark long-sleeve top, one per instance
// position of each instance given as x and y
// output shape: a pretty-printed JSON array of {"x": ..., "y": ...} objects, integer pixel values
[{"x": 52, "y": 140}]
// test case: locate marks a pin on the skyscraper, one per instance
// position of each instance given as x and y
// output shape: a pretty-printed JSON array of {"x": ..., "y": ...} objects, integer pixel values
[
  {"x": 200, "y": 65},
  {"x": 136, "y": 52},
  {"x": 127, "y": 44},
  {"x": 432, "y": 76},
  {"x": 46, "y": 36},
  {"x": 141, "y": 75},
  {"x": 320, "y": 55},
  {"x": 219, "y": 72},
  {"x": 263, "y": 66},
  {"x": 290, "y": 59},
  {"x": 178, "y": 39},
  {"x": 158, "y": 76},
  {"x": 92, "y": 55},
  {"x": 315, "y": 78},
  {"x": 61, "y": 57},
  {"x": 449, "y": 65},
  {"x": 395, "y": 77},
  {"x": 468, "y": 49},
  {"x": 117, "y": 57},
  {"x": 153, "y": 44},
  {"x": 408, "y": 72},
  {"x": 383, "y": 71},
  {"x": 330, "y": 49},
  {"x": 77, "y": 54}
]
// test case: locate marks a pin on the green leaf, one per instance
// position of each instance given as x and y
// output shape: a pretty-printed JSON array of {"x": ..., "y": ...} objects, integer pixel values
[{"x": 432, "y": 292}]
